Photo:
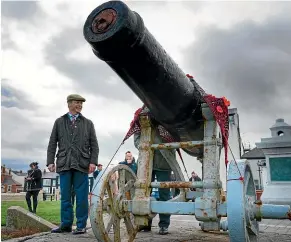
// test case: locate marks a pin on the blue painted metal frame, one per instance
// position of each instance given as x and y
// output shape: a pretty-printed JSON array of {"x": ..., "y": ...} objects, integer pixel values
[
  {"x": 177, "y": 208},
  {"x": 275, "y": 211}
]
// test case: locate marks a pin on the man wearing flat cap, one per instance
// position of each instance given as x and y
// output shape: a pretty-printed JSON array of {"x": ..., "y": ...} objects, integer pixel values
[{"x": 78, "y": 151}]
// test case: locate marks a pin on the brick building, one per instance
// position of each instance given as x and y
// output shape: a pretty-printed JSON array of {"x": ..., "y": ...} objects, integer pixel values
[{"x": 8, "y": 184}]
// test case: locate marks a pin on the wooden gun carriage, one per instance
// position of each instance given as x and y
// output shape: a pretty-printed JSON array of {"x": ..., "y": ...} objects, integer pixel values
[{"x": 196, "y": 122}]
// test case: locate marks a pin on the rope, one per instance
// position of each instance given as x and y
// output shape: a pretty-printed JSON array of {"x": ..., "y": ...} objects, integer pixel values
[{"x": 180, "y": 155}]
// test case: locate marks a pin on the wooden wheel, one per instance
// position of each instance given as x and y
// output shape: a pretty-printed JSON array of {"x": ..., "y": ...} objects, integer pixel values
[
  {"x": 108, "y": 220},
  {"x": 241, "y": 197}
]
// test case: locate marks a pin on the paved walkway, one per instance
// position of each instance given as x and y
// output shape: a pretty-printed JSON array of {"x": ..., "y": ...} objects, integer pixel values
[
  {"x": 182, "y": 229},
  {"x": 276, "y": 226}
]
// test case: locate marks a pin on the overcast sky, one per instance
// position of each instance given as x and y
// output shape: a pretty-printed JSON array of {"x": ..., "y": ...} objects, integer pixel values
[{"x": 240, "y": 50}]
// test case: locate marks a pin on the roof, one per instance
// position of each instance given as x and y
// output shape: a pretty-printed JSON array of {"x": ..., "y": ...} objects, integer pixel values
[
  {"x": 255, "y": 153},
  {"x": 9, "y": 181},
  {"x": 18, "y": 173}
]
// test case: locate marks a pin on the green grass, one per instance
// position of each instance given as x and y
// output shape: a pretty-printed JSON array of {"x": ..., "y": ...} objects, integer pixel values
[{"x": 48, "y": 210}]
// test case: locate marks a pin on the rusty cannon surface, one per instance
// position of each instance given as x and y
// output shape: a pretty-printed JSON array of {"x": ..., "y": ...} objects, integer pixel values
[{"x": 195, "y": 122}]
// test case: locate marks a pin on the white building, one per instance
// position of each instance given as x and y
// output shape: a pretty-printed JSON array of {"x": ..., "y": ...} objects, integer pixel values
[
  {"x": 277, "y": 149},
  {"x": 256, "y": 156}
]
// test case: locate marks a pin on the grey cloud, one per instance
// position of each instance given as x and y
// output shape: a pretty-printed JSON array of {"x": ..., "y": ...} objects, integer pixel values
[
  {"x": 194, "y": 6},
  {"x": 17, "y": 120},
  {"x": 7, "y": 42},
  {"x": 20, "y": 10},
  {"x": 93, "y": 75},
  {"x": 24, "y": 13},
  {"x": 250, "y": 65},
  {"x": 12, "y": 97}
]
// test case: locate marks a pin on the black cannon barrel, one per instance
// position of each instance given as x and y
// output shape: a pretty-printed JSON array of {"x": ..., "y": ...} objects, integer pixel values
[{"x": 118, "y": 36}]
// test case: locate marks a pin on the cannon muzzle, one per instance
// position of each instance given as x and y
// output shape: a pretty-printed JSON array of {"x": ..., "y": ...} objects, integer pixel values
[{"x": 119, "y": 37}]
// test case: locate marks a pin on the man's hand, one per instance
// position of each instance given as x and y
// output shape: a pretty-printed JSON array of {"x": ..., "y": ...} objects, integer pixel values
[
  {"x": 28, "y": 178},
  {"x": 52, "y": 167},
  {"x": 92, "y": 168}
]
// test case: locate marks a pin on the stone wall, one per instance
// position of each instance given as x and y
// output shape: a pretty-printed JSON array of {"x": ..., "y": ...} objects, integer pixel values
[{"x": 19, "y": 218}]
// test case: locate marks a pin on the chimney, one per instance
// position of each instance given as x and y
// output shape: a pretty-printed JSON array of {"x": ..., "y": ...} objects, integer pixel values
[{"x": 10, "y": 171}]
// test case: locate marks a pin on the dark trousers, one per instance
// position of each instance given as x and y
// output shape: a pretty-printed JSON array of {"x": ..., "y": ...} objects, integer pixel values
[
  {"x": 78, "y": 181},
  {"x": 28, "y": 196},
  {"x": 164, "y": 193}
]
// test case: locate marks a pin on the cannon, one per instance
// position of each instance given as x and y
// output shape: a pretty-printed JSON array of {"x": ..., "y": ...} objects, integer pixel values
[{"x": 193, "y": 120}]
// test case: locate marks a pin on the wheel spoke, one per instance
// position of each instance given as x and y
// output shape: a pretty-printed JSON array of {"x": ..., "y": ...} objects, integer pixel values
[
  {"x": 246, "y": 181},
  {"x": 121, "y": 181},
  {"x": 116, "y": 227},
  {"x": 129, "y": 185},
  {"x": 110, "y": 196},
  {"x": 129, "y": 225},
  {"x": 105, "y": 204},
  {"x": 110, "y": 223}
]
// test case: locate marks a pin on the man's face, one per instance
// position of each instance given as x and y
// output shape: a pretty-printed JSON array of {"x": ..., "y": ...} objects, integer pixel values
[
  {"x": 99, "y": 168},
  {"x": 128, "y": 157},
  {"x": 193, "y": 174},
  {"x": 75, "y": 106}
]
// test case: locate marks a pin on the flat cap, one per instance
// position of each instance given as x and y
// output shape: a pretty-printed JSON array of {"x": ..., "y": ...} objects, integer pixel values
[{"x": 75, "y": 97}]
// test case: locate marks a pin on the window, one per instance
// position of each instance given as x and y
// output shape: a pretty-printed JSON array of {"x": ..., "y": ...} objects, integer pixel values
[
  {"x": 231, "y": 119},
  {"x": 54, "y": 182},
  {"x": 46, "y": 190},
  {"x": 280, "y": 133},
  {"x": 46, "y": 182},
  {"x": 9, "y": 189}
]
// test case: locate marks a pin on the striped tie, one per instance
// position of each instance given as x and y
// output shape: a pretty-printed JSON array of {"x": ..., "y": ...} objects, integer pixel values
[{"x": 73, "y": 119}]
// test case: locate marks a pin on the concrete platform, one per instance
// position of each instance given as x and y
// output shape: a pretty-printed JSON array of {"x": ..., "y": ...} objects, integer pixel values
[{"x": 182, "y": 229}]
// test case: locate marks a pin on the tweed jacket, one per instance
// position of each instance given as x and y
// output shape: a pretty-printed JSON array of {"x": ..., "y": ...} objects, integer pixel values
[{"x": 77, "y": 144}]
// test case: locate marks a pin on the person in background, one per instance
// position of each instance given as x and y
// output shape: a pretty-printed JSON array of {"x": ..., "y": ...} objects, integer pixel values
[
  {"x": 78, "y": 151},
  {"x": 129, "y": 161},
  {"x": 194, "y": 177},
  {"x": 97, "y": 171},
  {"x": 33, "y": 184}
]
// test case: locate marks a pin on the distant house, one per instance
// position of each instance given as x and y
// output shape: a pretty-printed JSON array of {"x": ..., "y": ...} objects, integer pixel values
[
  {"x": 50, "y": 182},
  {"x": 19, "y": 176},
  {"x": 8, "y": 184},
  {"x": 256, "y": 159}
]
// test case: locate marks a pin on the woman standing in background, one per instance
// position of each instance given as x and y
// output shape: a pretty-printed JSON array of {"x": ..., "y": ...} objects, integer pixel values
[{"x": 33, "y": 180}]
